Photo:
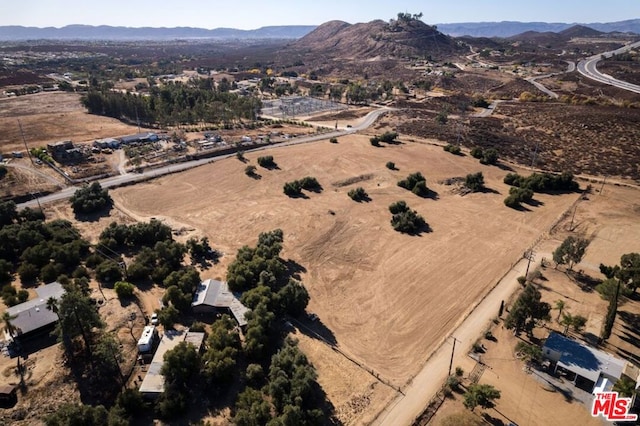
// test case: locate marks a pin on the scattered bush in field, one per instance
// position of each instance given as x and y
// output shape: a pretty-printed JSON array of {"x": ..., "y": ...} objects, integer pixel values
[
  {"x": 387, "y": 137},
  {"x": 406, "y": 220},
  {"x": 391, "y": 165},
  {"x": 415, "y": 183},
  {"x": 474, "y": 181},
  {"x": 250, "y": 171},
  {"x": 489, "y": 156},
  {"x": 358, "y": 194},
  {"x": 333, "y": 140},
  {"x": 453, "y": 149},
  {"x": 267, "y": 162},
  {"x": 476, "y": 152},
  {"x": 518, "y": 196},
  {"x": 375, "y": 141},
  {"x": 294, "y": 188}
]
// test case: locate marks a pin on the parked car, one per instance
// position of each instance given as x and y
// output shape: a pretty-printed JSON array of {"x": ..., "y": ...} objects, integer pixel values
[{"x": 154, "y": 319}]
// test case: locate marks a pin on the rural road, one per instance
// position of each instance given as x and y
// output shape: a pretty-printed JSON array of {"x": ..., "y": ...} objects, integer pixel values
[
  {"x": 406, "y": 407},
  {"x": 588, "y": 68},
  {"x": 129, "y": 178},
  {"x": 571, "y": 67}
]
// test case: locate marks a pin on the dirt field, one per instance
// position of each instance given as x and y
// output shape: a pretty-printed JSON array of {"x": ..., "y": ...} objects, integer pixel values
[
  {"x": 610, "y": 220},
  {"x": 385, "y": 297},
  {"x": 51, "y": 117}
]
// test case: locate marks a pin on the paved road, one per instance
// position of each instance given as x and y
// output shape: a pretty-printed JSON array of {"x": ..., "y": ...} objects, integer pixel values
[
  {"x": 571, "y": 67},
  {"x": 588, "y": 68},
  {"x": 129, "y": 178},
  {"x": 405, "y": 408}
]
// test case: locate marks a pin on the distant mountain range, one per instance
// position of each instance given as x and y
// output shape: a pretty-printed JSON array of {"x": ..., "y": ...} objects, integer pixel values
[
  {"x": 105, "y": 32},
  {"x": 510, "y": 28}
]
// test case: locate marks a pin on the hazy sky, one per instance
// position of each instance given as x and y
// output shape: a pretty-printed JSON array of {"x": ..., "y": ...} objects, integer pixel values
[{"x": 250, "y": 14}]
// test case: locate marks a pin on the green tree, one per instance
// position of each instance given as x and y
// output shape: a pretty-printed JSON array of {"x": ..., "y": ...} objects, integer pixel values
[
  {"x": 124, "y": 289},
  {"x": 527, "y": 310},
  {"x": 626, "y": 387},
  {"x": 390, "y": 165},
  {"x": 252, "y": 408},
  {"x": 90, "y": 199},
  {"x": 482, "y": 395},
  {"x": 578, "y": 322},
  {"x": 560, "y": 305},
  {"x": 293, "y": 298},
  {"x": 489, "y": 156},
  {"x": 181, "y": 365},
  {"x": 358, "y": 194},
  {"x": 570, "y": 251},
  {"x": 7, "y": 320},
  {"x": 78, "y": 317},
  {"x": 529, "y": 352},
  {"x": 78, "y": 414},
  {"x": 168, "y": 316},
  {"x": 223, "y": 347},
  {"x": 475, "y": 182},
  {"x": 108, "y": 272}
]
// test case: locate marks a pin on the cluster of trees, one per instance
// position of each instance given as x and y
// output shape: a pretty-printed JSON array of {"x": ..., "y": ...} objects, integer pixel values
[
  {"x": 406, "y": 220},
  {"x": 358, "y": 194},
  {"x": 90, "y": 199},
  {"x": 294, "y": 188},
  {"x": 267, "y": 162},
  {"x": 415, "y": 183},
  {"x": 480, "y": 394},
  {"x": 196, "y": 101},
  {"x": 453, "y": 149},
  {"x": 36, "y": 250},
  {"x": 543, "y": 182},
  {"x": 527, "y": 310},
  {"x": 41, "y": 154},
  {"x": 486, "y": 156},
  {"x": 387, "y": 137}
]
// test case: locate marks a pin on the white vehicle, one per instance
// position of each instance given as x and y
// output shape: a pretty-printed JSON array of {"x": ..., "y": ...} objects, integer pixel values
[{"x": 154, "y": 319}]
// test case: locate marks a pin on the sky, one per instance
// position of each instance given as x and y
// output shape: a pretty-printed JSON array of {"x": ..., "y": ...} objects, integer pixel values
[{"x": 252, "y": 14}]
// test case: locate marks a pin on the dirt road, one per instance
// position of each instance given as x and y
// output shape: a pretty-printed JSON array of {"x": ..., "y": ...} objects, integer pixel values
[{"x": 406, "y": 407}]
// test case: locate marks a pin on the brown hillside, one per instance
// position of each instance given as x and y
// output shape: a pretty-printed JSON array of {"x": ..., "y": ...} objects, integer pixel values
[
  {"x": 398, "y": 38},
  {"x": 580, "y": 31}
]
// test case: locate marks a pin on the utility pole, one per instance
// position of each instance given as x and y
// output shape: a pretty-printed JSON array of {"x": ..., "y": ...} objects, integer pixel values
[
  {"x": 572, "y": 217},
  {"x": 602, "y": 187},
  {"x": 24, "y": 140},
  {"x": 530, "y": 255},
  {"x": 452, "y": 352}
]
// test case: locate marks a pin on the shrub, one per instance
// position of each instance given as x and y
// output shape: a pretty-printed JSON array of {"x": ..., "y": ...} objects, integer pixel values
[
  {"x": 408, "y": 221},
  {"x": 398, "y": 207},
  {"x": 474, "y": 181},
  {"x": 489, "y": 156},
  {"x": 267, "y": 162},
  {"x": 388, "y": 137},
  {"x": 250, "y": 171},
  {"x": 358, "y": 194},
  {"x": 293, "y": 189},
  {"x": 459, "y": 371},
  {"x": 375, "y": 141},
  {"x": 476, "y": 152},
  {"x": 124, "y": 289},
  {"x": 391, "y": 165},
  {"x": 518, "y": 196},
  {"x": 420, "y": 189},
  {"x": 333, "y": 140},
  {"x": 411, "y": 181},
  {"x": 543, "y": 182},
  {"x": 453, "y": 149},
  {"x": 108, "y": 271},
  {"x": 310, "y": 183},
  {"x": 3, "y": 171}
]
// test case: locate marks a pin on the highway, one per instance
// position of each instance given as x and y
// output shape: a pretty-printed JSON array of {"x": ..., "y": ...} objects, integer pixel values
[
  {"x": 571, "y": 67},
  {"x": 130, "y": 178},
  {"x": 588, "y": 68}
]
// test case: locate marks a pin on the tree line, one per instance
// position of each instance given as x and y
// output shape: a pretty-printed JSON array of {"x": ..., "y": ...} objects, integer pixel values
[{"x": 175, "y": 103}]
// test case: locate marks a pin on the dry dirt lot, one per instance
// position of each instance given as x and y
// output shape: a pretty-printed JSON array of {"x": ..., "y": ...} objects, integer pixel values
[
  {"x": 50, "y": 117},
  {"x": 609, "y": 219},
  {"x": 387, "y": 299}
]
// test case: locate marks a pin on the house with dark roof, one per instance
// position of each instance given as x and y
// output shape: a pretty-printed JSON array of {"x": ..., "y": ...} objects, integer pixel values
[
  {"x": 214, "y": 296},
  {"x": 587, "y": 368},
  {"x": 32, "y": 316}
]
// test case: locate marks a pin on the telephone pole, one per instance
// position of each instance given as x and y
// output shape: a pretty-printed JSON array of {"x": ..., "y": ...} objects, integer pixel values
[{"x": 453, "y": 350}]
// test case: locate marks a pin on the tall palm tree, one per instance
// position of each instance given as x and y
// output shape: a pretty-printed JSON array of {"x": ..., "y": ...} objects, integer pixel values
[
  {"x": 625, "y": 387},
  {"x": 52, "y": 305},
  {"x": 7, "y": 319},
  {"x": 560, "y": 306}
]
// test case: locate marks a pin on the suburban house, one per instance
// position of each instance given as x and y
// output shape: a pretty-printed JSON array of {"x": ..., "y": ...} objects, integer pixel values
[
  {"x": 33, "y": 317},
  {"x": 213, "y": 296},
  {"x": 153, "y": 383},
  {"x": 587, "y": 368}
]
